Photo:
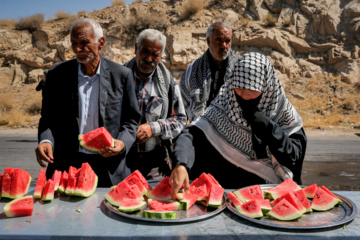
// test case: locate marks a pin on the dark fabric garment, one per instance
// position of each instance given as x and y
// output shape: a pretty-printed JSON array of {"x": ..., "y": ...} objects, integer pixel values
[
  {"x": 118, "y": 113},
  {"x": 194, "y": 151}
]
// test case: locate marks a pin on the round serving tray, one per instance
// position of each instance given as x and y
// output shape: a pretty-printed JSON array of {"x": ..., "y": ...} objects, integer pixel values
[
  {"x": 339, "y": 215},
  {"x": 195, "y": 213}
]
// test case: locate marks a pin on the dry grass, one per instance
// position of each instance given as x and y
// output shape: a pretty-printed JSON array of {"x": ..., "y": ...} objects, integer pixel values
[
  {"x": 118, "y": 3},
  {"x": 31, "y": 23},
  {"x": 82, "y": 13},
  {"x": 146, "y": 20},
  {"x": 222, "y": 3},
  {"x": 7, "y": 23},
  {"x": 244, "y": 21},
  {"x": 137, "y": 1},
  {"x": 6, "y": 102},
  {"x": 63, "y": 15},
  {"x": 189, "y": 8},
  {"x": 270, "y": 20}
]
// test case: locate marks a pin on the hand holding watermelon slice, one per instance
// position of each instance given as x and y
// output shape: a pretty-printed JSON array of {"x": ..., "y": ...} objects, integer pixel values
[{"x": 179, "y": 178}]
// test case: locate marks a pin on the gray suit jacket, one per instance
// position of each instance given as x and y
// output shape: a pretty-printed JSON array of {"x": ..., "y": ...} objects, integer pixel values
[{"x": 118, "y": 113}]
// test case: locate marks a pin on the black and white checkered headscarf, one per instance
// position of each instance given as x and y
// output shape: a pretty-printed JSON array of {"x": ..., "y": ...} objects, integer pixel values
[{"x": 225, "y": 127}]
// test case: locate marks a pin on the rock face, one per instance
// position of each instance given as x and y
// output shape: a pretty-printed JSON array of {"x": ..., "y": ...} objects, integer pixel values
[{"x": 306, "y": 37}]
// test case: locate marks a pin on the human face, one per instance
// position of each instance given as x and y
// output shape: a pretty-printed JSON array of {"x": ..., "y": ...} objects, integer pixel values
[
  {"x": 84, "y": 45},
  {"x": 247, "y": 94},
  {"x": 219, "y": 43},
  {"x": 148, "y": 55}
]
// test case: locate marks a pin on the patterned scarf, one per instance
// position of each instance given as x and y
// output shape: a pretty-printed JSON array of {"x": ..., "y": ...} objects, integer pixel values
[
  {"x": 195, "y": 83},
  {"x": 161, "y": 78},
  {"x": 228, "y": 131}
]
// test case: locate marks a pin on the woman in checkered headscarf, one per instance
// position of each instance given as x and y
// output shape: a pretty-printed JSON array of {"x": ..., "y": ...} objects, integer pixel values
[{"x": 250, "y": 134}]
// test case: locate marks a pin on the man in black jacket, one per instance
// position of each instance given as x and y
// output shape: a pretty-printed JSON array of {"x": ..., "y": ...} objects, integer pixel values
[{"x": 81, "y": 95}]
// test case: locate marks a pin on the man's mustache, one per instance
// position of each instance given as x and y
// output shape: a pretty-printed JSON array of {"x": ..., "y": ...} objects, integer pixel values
[{"x": 152, "y": 64}]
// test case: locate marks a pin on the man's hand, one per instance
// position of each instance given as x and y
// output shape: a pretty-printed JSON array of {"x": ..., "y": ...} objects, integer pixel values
[
  {"x": 179, "y": 177},
  {"x": 143, "y": 133},
  {"x": 110, "y": 152},
  {"x": 44, "y": 152}
]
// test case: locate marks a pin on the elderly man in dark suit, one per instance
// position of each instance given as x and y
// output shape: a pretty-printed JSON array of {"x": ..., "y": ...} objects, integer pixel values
[{"x": 81, "y": 95}]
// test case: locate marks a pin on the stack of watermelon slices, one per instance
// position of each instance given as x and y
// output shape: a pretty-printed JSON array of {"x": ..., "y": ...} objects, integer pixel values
[
  {"x": 78, "y": 182},
  {"x": 289, "y": 201}
]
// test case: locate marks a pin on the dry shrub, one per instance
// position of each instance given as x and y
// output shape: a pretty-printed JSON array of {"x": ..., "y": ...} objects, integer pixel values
[
  {"x": 16, "y": 118},
  {"x": 35, "y": 104},
  {"x": 189, "y": 8},
  {"x": 82, "y": 13},
  {"x": 7, "y": 22},
  {"x": 62, "y": 15},
  {"x": 270, "y": 20},
  {"x": 118, "y": 3},
  {"x": 244, "y": 21},
  {"x": 31, "y": 23},
  {"x": 7, "y": 102},
  {"x": 137, "y": 1},
  {"x": 288, "y": 20},
  {"x": 146, "y": 20},
  {"x": 222, "y": 3}
]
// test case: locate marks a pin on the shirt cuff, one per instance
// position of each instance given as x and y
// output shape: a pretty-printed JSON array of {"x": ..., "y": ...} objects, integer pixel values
[
  {"x": 155, "y": 128},
  {"x": 48, "y": 141}
]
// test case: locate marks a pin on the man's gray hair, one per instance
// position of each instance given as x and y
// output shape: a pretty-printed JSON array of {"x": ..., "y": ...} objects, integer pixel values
[
  {"x": 210, "y": 29},
  {"x": 152, "y": 35},
  {"x": 96, "y": 27}
]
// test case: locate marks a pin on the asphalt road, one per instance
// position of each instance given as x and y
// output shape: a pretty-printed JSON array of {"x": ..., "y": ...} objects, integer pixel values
[{"x": 332, "y": 158}]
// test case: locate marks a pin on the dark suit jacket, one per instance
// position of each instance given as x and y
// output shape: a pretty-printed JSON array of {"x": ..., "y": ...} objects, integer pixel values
[{"x": 118, "y": 113}]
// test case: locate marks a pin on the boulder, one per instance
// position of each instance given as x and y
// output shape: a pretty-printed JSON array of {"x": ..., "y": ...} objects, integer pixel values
[{"x": 35, "y": 76}]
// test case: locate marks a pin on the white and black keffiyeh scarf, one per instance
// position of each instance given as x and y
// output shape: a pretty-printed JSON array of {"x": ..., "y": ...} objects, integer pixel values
[
  {"x": 196, "y": 81},
  {"x": 227, "y": 130}
]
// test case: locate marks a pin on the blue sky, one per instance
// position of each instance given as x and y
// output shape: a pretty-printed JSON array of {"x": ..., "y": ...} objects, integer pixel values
[{"x": 16, "y": 9}]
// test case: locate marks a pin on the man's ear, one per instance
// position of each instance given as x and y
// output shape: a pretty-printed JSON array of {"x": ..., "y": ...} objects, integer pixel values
[
  {"x": 135, "y": 48},
  {"x": 101, "y": 42},
  {"x": 208, "y": 41}
]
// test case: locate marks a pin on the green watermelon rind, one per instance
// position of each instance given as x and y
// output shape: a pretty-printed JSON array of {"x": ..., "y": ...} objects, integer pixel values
[
  {"x": 133, "y": 208},
  {"x": 81, "y": 193},
  {"x": 295, "y": 215},
  {"x": 159, "y": 215},
  {"x": 325, "y": 207},
  {"x": 9, "y": 204},
  {"x": 82, "y": 144},
  {"x": 255, "y": 215}
]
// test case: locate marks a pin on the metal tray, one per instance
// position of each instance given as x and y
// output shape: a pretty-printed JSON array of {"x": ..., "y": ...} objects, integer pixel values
[
  {"x": 339, "y": 215},
  {"x": 195, "y": 213}
]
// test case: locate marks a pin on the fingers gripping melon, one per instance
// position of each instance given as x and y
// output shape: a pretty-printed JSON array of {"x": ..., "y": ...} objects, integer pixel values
[
  {"x": 23, "y": 206},
  {"x": 96, "y": 139}
]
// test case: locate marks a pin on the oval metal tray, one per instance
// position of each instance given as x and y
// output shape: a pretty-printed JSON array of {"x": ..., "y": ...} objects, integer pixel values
[
  {"x": 195, "y": 213},
  {"x": 339, "y": 215}
]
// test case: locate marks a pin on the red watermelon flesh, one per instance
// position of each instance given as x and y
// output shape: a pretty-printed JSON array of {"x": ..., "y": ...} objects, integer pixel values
[
  {"x": 200, "y": 191},
  {"x": 1, "y": 177},
  {"x": 134, "y": 180},
  {"x": 162, "y": 190},
  {"x": 163, "y": 205},
  {"x": 286, "y": 186},
  {"x": 6, "y": 182},
  {"x": 251, "y": 209},
  {"x": 284, "y": 211},
  {"x": 73, "y": 172},
  {"x": 249, "y": 193},
  {"x": 310, "y": 190},
  {"x": 234, "y": 199},
  {"x": 87, "y": 181},
  {"x": 187, "y": 200},
  {"x": 49, "y": 190},
  {"x": 204, "y": 179},
  {"x": 141, "y": 178},
  {"x": 123, "y": 190},
  {"x": 20, "y": 183},
  {"x": 323, "y": 201},
  {"x": 265, "y": 205},
  {"x": 213, "y": 179},
  {"x": 215, "y": 197},
  {"x": 300, "y": 194},
  {"x": 40, "y": 183},
  {"x": 19, "y": 207},
  {"x": 71, "y": 186},
  {"x": 56, "y": 177},
  {"x": 63, "y": 182},
  {"x": 329, "y": 192},
  {"x": 292, "y": 199},
  {"x": 96, "y": 139},
  {"x": 131, "y": 205}
]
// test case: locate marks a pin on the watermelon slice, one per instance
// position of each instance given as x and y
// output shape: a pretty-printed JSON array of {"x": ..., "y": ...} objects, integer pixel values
[
  {"x": 56, "y": 177},
  {"x": 63, "y": 182},
  {"x": 265, "y": 205},
  {"x": 310, "y": 190},
  {"x": 284, "y": 211},
  {"x": 96, "y": 139},
  {"x": 187, "y": 200},
  {"x": 249, "y": 193},
  {"x": 134, "y": 180},
  {"x": 71, "y": 185},
  {"x": 323, "y": 201},
  {"x": 6, "y": 182},
  {"x": 20, "y": 183},
  {"x": 163, "y": 205},
  {"x": 300, "y": 194},
  {"x": 1, "y": 177},
  {"x": 23, "y": 206},
  {"x": 159, "y": 214},
  {"x": 161, "y": 191},
  {"x": 141, "y": 178},
  {"x": 199, "y": 188},
  {"x": 215, "y": 197},
  {"x": 121, "y": 191},
  {"x": 40, "y": 183},
  {"x": 286, "y": 186},
  {"x": 86, "y": 182},
  {"x": 213, "y": 179},
  {"x": 292, "y": 199},
  {"x": 131, "y": 205},
  {"x": 251, "y": 209},
  {"x": 329, "y": 192},
  {"x": 234, "y": 199},
  {"x": 49, "y": 190}
]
